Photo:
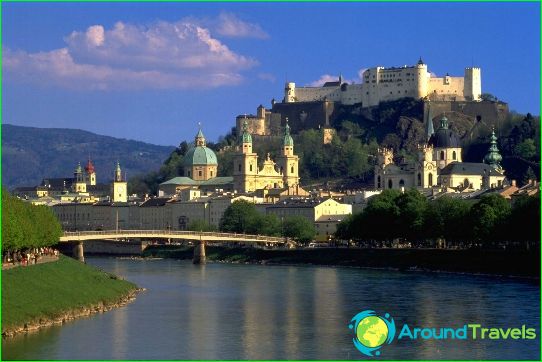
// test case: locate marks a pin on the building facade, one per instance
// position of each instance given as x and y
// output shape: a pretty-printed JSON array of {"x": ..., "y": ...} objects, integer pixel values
[{"x": 380, "y": 84}]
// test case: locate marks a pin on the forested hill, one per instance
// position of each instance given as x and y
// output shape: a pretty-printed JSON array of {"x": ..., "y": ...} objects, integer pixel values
[{"x": 29, "y": 154}]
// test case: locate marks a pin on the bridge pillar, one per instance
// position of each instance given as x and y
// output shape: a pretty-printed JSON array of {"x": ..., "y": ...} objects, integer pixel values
[
  {"x": 78, "y": 252},
  {"x": 199, "y": 253}
]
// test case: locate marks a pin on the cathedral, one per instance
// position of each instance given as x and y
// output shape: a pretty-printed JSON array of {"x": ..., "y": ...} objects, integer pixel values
[
  {"x": 248, "y": 177},
  {"x": 200, "y": 168},
  {"x": 439, "y": 163}
]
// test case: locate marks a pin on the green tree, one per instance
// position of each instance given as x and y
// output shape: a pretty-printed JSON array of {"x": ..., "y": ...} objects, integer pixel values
[
  {"x": 239, "y": 216},
  {"x": 299, "y": 228},
  {"x": 448, "y": 218},
  {"x": 489, "y": 217},
  {"x": 412, "y": 207},
  {"x": 526, "y": 149}
]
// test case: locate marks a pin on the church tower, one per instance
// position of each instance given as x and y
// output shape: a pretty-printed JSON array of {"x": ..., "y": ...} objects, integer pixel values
[
  {"x": 79, "y": 184},
  {"x": 426, "y": 168},
  {"x": 245, "y": 164},
  {"x": 288, "y": 162},
  {"x": 120, "y": 189},
  {"x": 91, "y": 173},
  {"x": 493, "y": 157}
]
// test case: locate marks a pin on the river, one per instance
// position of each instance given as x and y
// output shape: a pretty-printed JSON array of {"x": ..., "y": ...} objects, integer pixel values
[{"x": 228, "y": 311}]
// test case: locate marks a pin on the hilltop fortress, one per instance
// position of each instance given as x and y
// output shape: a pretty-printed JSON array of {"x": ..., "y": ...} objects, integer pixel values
[
  {"x": 387, "y": 84},
  {"x": 318, "y": 107}
]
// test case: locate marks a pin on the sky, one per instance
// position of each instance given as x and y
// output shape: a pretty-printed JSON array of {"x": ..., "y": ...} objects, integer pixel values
[{"x": 153, "y": 71}]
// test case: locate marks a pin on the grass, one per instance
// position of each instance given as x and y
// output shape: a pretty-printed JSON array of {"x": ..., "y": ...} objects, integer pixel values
[{"x": 49, "y": 290}]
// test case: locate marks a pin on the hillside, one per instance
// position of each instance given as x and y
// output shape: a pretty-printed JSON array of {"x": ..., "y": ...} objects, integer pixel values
[{"x": 29, "y": 154}]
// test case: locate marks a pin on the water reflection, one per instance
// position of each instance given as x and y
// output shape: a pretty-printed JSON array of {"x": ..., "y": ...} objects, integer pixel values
[{"x": 285, "y": 312}]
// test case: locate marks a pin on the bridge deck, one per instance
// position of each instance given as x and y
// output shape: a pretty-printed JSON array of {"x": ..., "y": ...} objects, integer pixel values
[{"x": 169, "y": 234}]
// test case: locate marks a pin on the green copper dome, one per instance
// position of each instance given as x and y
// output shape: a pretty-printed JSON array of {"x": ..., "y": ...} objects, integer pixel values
[
  {"x": 78, "y": 169},
  {"x": 288, "y": 140},
  {"x": 493, "y": 157},
  {"x": 246, "y": 137},
  {"x": 199, "y": 153}
]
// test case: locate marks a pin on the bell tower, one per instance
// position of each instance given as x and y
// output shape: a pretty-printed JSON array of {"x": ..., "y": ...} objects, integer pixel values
[
  {"x": 288, "y": 161},
  {"x": 245, "y": 164},
  {"x": 119, "y": 187},
  {"x": 79, "y": 184}
]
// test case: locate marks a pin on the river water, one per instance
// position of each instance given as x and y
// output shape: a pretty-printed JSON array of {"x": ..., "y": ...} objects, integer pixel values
[{"x": 225, "y": 311}]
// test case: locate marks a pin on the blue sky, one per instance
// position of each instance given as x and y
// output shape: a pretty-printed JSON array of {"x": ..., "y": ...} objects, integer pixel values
[{"x": 151, "y": 72}]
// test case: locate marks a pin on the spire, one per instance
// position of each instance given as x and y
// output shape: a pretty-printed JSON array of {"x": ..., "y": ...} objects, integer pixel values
[
  {"x": 89, "y": 168},
  {"x": 420, "y": 62},
  {"x": 288, "y": 140},
  {"x": 200, "y": 138},
  {"x": 118, "y": 173},
  {"x": 429, "y": 130},
  {"x": 246, "y": 137},
  {"x": 493, "y": 157},
  {"x": 444, "y": 122},
  {"x": 78, "y": 169}
]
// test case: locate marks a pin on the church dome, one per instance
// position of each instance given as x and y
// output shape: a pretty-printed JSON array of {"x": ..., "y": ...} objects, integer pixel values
[
  {"x": 199, "y": 154},
  {"x": 444, "y": 137}
]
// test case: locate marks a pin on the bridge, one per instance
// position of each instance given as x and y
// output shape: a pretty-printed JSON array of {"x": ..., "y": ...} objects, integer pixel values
[{"x": 200, "y": 237}]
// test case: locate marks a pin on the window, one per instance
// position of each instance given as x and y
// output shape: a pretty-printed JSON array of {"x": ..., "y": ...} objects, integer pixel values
[
  {"x": 200, "y": 173},
  {"x": 430, "y": 179},
  {"x": 390, "y": 184},
  {"x": 378, "y": 182},
  {"x": 239, "y": 168},
  {"x": 401, "y": 183},
  {"x": 292, "y": 169},
  {"x": 211, "y": 173},
  {"x": 251, "y": 167},
  {"x": 454, "y": 155},
  {"x": 442, "y": 155},
  {"x": 419, "y": 179}
]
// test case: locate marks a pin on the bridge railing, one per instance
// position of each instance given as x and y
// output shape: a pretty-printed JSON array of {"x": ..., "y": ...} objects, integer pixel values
[{"x": 166, "y": 233}]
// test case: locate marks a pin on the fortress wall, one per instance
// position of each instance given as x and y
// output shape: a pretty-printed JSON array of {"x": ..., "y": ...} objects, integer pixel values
[
  {"x": 311, "y": 94},
  {"x": 446, "y": 85}
]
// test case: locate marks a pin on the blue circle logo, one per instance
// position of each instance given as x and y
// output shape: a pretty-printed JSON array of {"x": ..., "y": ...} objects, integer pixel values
[{"x": 371, "y": 331}]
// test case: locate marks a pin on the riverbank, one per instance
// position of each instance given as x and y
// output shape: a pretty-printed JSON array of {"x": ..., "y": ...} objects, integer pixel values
[
  {"x": 520, "y": 263},
  {"x": 53, "y": 293}
]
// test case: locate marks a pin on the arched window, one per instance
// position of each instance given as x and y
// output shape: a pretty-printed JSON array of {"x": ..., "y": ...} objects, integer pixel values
[
  {"x": 390, "y": 184},
  {"x": 466, "y": 182},
  {"x": 401, "y": 183},
  {"x": 200, "y": 173},
  {"x": 188, "y": 173},
  {"x": 442, "y": 155},
  {"x": 211, "y": 173},
  {"x": 454, "y": 156},
  {"x": 378, "y": 182},
  {"x": 430, "y": 179},
  {"x": 251, "y": 167},
  {"x": 419, "y": 179},
  {"x": 239, "y": 168},
  {"x": 292, "y": 169}
]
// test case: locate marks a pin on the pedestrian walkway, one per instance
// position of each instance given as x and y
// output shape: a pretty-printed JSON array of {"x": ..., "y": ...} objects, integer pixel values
[{"x": 41, "y": 260}]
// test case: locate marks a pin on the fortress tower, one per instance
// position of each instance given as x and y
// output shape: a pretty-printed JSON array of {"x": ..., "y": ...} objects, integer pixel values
[
  {"x": 289, "y": 92},
  {"x": 473, "y": 84},
  {"x": 421, "y": 79}
]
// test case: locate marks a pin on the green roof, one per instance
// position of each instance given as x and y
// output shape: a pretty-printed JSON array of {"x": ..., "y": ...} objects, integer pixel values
[
  {"x": 182, "y": 180},
  {"x": 288, "y": 140},
  {"x": 200, "y": 155}
]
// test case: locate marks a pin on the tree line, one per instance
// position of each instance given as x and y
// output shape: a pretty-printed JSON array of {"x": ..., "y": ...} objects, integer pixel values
[
  {"x": 412, "y": 218},
  {"x": 242, "y": 217},
  {"x": 27, "y": 226}
]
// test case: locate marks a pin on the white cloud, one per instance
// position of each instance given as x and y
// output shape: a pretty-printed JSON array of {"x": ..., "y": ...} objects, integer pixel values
[
  {"x": 231, "y": 26},
  {"x": 334, "y": 78},
  {"x": 163, "y": 55},
  {"x": 267, "y": 76}
]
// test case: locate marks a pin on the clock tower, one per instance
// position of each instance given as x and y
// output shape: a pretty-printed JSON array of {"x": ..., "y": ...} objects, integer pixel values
[{"x": 120, "y": 187}]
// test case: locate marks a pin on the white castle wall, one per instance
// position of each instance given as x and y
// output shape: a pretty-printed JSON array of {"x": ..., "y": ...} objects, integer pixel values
[{"x": 386, "y": 84}]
